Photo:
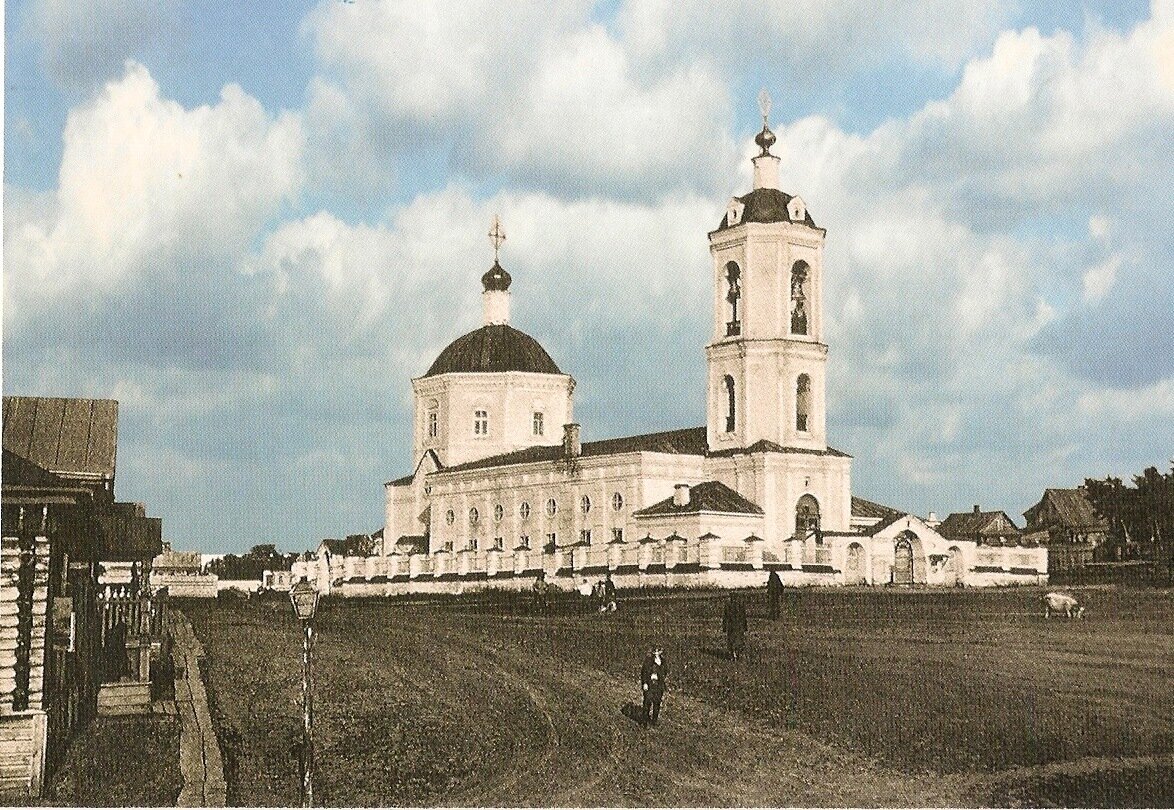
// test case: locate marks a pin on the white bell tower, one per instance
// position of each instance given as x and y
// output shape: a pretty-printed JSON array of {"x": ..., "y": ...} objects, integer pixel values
[{"x": 767, "y": 360}]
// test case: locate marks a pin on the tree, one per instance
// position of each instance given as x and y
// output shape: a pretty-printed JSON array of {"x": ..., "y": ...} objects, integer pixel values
[{"x": 1140, "y": 515}]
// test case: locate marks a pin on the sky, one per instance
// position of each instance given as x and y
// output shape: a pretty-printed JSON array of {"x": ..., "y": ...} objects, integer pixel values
[{"x": 253, "y": 223}]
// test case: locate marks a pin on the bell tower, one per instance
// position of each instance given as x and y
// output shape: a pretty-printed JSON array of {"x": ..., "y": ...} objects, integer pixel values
[{"x": 766, "y": 358}]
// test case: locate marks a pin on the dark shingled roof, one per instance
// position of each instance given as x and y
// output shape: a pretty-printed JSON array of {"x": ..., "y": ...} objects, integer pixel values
[
  {"x": 69, "y": 437},
  {"x": 690, "y": 442},
  {"x": 869, "y": 509},
  {"x": 708, "y": 496},
  {"x": 1073, "y": 510},
  {"x": 766, "y": 205},
  {"x": 767, "y": 446},
  {"x": 493, "y": 348},
  {"x": 974, "y": 525},
  {"x": 496, "y": 278}
]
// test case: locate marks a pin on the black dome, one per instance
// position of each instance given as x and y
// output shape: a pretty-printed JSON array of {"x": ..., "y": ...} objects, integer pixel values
[
  {"x": 492, "y": 349},
  {"x": 766, "y": 205},
  {"x": 496, "y": 278}
]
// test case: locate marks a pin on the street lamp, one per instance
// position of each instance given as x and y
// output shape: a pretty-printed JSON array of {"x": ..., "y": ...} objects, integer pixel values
[{"x": 304, "y": 598}]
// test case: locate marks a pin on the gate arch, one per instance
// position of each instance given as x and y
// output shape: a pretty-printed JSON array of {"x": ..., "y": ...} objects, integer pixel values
[{"x": 855, "y": 566}]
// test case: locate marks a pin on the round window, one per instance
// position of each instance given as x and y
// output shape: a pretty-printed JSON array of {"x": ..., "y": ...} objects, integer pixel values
[
  {"x": 585, "y": 504},
  {"x": 617, "y": 501},
  {"x": 498, "y": 513},
  {"x": 449, "y": 517},
  {"x": 551, "y": 507},
  {"x": 474, "y": 515}
]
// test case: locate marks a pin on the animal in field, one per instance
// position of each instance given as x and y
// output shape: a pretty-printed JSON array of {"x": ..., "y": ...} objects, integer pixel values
[{"x": 1056, "y": 602}]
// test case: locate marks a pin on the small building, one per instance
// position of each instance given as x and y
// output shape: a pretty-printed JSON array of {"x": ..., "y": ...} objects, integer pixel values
[
  {"x": 984, "y": 528},
  {"x": 59, "y": 521},
  {"x": 1064, "y": 520},
  {"x": 182, "y": 574}
]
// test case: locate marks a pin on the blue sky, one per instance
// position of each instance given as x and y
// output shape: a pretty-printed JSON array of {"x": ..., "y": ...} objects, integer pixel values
[{"x": 253, "y": 224}]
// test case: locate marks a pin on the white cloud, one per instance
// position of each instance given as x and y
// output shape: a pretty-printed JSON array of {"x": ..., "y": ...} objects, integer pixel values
[
  {"x": 86, "y": 41},
  {"x": 146, "y": 185},
  {"x": 1099, "y": 280},
  {"x": 541, "y": 95}
]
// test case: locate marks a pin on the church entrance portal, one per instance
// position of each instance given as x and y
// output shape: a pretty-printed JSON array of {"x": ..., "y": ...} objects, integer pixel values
[
  {"x": 903, "y": 562},
  {"x": 854, "y": 573}
]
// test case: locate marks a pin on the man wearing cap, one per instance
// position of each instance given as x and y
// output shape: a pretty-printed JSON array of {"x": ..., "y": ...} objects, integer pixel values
[{"x": 653, "y": 675}]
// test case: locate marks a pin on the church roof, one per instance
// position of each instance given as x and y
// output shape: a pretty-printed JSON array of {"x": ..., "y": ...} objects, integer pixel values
[
  {"x": 496, "y": 278},
  {"x": 708, "y": 496},
  {"x": 870, "y": 509},
  {"x": 766, "y": 205},
  {"x": 493, "y": 348},
  {"x": 767, "y": 446},
  {"x": 690, "y": 441}
]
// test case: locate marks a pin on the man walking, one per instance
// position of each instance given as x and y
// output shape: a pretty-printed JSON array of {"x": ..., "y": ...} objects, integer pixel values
[
  {"x": 653, "y": 675},
  {"x": 734, "y": 624},
  {"x": 774, "y": 593}
]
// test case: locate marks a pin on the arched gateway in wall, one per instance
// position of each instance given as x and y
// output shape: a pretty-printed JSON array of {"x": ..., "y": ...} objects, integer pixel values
[
  {"x": 903, "y": 560},
  {"x": 855, "y": 566}
]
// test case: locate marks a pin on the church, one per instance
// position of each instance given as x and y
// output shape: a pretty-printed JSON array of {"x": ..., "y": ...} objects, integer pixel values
[{"x": 503, "y": 488}]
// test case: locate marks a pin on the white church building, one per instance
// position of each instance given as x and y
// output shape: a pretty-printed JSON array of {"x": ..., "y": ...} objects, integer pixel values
[{"x": 503, "y": 488}]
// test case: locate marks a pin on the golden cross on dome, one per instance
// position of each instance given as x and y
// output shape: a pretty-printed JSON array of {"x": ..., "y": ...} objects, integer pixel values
[
  {"x": 764, "y": 104},
  {"x": 496, "y": 236}
]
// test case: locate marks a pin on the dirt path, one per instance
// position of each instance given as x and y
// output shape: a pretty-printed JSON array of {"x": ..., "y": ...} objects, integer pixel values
[{"x": 589, "y": 752}]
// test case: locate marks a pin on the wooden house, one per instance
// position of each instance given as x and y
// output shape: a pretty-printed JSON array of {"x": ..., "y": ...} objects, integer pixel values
[
  {"x": 59, "y": 520},
  {"x": 1066, "y": 522}
]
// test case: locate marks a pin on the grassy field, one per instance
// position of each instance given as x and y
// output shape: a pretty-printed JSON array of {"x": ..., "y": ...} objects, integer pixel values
[
  {"x": 857, "y": 697},
  {"x": 120, "y": 762}
]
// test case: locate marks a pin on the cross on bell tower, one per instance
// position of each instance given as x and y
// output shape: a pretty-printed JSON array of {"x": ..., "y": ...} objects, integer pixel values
[{"x": 495, "y": 300}]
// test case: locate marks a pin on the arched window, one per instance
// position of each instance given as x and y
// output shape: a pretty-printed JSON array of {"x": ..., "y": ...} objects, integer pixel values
[
  {"x": 802, "y": 403},
  {"x": 807, "y": 517},
  {"x": 730, "y": 421},
  {"x": 433, "y": 419},
  {"x": 733, "y": 298},
  {"x": 800, "y": 274}
]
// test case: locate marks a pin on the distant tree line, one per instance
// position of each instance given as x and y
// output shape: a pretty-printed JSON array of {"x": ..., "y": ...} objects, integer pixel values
[
  {"x": 252, "y": 565},
  {"x": 1140, "y": 515}
]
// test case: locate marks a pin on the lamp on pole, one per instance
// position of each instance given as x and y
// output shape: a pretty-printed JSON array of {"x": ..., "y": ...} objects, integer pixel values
[{"x": 304, "y": 598}]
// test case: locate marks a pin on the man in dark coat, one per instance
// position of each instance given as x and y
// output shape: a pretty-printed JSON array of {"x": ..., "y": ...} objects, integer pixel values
[
  {"x": 734, "y": 624},
  {"x": 774, "y": 593},
  {"x": 653, "y": 676}
]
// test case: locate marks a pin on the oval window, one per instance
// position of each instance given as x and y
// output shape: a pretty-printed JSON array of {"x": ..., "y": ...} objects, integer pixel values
[
  {"x": 585, "y": 504},
  {"x": 498, "y": 513},
  {"x": 551, "y": 507},
  {"x": 449, "y": 517},
  {"x": 474, "y": 515},
  {"x": 524, "y": 510},
  {"x": 617, "y": 501}
]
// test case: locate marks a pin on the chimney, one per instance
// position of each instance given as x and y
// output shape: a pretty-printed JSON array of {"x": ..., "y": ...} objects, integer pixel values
[
  {"x": 572, "y": 446},
  {"x": 681, "y": 495},
  {"x": 976, "y": 509}
]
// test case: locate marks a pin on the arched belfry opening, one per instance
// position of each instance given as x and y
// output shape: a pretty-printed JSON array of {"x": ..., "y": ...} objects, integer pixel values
[
  {"x": 803, "y": 403},
  {"x": 731, "y": 421},
  {"x": 733, "y": 299},
  {"x": 807, "y": 517},
  {"x": 800, "y": 295}
]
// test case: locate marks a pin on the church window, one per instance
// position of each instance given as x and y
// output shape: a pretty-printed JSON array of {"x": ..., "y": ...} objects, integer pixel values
[
  {"x": 538, "y": 427},
  {"x": 617, "y": 501},
  {"x": 433, "y": 425},
  {"x": 585, "y": 537},
  {"x": 474, "y": 515},
  {"x": 450, "y": 517},
  {"x": 480, "y": 423},
  {"x": 585, "y": 504},
  {"x": 447, "y": 545},
  {"x": 473, "y": 543},
  {"x": 524, "y": 510},
  {"x": 499, "y": 543},
  {"x": 802, "y": 403},
  {"x": 807, "y": 517},
  {"x": 427, "y": 489},
  {"x": 729, "y": 383},
  {"x": 799, "y": 287},
  {"x": 551, "y": 507},
  {"x": 498, "y": 513},
  {"x": 617, "y": 535},
  {"x": 551, "y": 543},
  {"x": 524, "y": 541},
  {"x": 733, "y": 298}
]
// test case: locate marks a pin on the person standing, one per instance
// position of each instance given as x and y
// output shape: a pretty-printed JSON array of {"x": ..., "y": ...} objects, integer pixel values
[
  {"x": 609, "y": 594},
  {"x": 653, "y": 678},
  {"x": 774, "y": 593},
  {"x": 541, "y": 598},
  {"x": 734, "y": 624}
]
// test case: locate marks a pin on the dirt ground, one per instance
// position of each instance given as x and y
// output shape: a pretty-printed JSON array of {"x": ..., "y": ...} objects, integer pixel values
[{"x": 850, "y": 699}]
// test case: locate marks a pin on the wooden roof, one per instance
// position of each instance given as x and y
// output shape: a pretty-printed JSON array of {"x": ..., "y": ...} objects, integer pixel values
[{"x": 74, "y": 438}]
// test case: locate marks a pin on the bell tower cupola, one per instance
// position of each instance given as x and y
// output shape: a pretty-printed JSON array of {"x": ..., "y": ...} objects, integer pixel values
[
  {"x": 766, "y": 359},
  {"x": 495, "y": 298}
]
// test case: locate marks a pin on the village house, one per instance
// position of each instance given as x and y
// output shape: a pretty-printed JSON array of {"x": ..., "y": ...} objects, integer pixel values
[
  {"x": 503, "y": 487},
  {"x": 1064, "y": 520},
  {"x": 60, "y": 520}
]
